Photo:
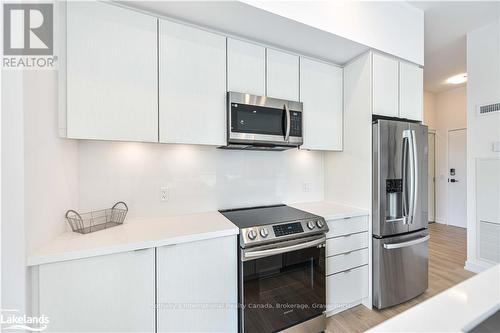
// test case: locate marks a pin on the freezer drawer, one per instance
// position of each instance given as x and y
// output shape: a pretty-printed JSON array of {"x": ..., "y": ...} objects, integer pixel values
[{"x": 400, "y": 269}]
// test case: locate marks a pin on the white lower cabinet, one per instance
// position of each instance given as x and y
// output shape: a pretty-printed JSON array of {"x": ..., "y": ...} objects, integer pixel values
[
  {"x": 197, "y": 286},
  {"x": 110, "y": 293},
  {"x": 346, "y": 289},
  {"x": 347, "y": 243},
  {"x": 347, "y": 263},
  {"x": 343, "y": 262}
]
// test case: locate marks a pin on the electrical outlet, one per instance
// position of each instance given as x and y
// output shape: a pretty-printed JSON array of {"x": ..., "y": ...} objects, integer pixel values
[
  {"x": 306, "y": 187},
  {"x": 164, "y": 193}
]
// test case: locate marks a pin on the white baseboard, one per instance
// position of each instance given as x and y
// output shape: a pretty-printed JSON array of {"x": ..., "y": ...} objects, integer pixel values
[
  {"x": 441, "y": 221},
  {"x": 477, "y": 266}
]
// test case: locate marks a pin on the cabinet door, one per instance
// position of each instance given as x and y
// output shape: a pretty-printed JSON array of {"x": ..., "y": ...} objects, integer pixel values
[
  {"x": 282, "y": 75},
  {"x": 192, "y": 85},
  {"x": 197, "y": 286},
  {"x": 321, "y": 93},
  {"x": 385, "y": 86},
  {"x": 112, "y": 86},
  {"x": 111, "y": 293},
  {"x": 246, "y": 67},
  {"x": 411, "y": 91}
]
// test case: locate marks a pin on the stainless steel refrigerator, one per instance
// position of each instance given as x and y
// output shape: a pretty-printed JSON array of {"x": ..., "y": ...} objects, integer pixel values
[{"x": 400, "y": 215}]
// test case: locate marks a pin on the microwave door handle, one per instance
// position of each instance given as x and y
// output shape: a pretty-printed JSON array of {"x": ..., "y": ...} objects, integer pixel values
[{"x": 287, "y": 132}]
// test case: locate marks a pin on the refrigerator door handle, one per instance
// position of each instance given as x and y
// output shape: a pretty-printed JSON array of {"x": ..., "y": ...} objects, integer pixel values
[
  {"x": 404, "y": 161},
  {"x": 415, "y": 175},
  {"x": 406, "y": 244}
]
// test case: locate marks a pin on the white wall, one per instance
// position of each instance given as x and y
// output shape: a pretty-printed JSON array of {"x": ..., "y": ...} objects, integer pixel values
[
  {"x": 392, "y": 27},
  {"x": 199, "y": 178},
  {"x": 13, "y": 269},
  {"x": 429, "y": 110},
  {"x": 51, "y": 163},
  {"x": 483, "y": 68},
  {"x": 444, "y": 112}
]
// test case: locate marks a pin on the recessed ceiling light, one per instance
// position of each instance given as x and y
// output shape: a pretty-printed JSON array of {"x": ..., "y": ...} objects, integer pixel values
[{"x": 457, "y": 79}]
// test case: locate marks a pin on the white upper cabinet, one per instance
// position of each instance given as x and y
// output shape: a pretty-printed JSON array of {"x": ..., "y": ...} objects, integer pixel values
[
  {"x": 385, "y": 85},
  {"x": 246, "y": 67},
  {"x": 321, "y": 93},
  {"x": 411, "y": 89},
  {"x": 282, "y": 75},
  {"x": 192, "y": 85},
  {"x": 112, "y": 86}
]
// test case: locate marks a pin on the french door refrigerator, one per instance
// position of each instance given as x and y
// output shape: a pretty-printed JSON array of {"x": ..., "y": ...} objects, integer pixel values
[{"x": 400, "y": 215}]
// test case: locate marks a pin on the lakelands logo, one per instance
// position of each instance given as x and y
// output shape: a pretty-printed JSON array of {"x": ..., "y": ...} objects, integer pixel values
[
  {"x": 28, "y": 35},
  {"x": 10, "y": 319}
]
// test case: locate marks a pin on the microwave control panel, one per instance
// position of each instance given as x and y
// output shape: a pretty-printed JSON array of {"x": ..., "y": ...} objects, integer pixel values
[{"x": 295, "y": 123}]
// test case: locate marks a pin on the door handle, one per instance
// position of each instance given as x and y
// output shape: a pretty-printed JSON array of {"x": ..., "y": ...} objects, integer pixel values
[
  {"x": 406, "y": 244},
  {"x": 287, "y": 133},
  {"x": 415, "y": 174},
  {"x": 247, "y": 255},
  {"x": 453, "y": 180}
]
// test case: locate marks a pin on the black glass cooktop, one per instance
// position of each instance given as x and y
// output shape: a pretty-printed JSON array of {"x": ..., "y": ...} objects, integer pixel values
[{"x": 265, "y": 215}]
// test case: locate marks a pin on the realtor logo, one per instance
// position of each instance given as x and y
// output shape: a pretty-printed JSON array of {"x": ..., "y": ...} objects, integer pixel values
[{"x": 28, "y": 29}]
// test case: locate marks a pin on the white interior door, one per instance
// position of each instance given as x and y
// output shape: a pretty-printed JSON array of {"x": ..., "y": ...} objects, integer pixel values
[
  {"x": 431, "y": 181},
  {"x": 457, "y": 178}
]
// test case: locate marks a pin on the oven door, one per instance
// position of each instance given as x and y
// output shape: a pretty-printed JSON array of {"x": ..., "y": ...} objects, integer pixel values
[{"x": 281, "y": 286}]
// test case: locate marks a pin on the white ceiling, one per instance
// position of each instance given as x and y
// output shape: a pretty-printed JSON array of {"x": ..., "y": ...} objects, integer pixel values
[
  {"x": 446, "y": 26},
  {"x": 242, "y": 20}
]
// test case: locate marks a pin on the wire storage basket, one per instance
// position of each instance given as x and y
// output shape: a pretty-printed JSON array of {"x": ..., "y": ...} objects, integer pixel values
[{"x": 98, "y": 219}]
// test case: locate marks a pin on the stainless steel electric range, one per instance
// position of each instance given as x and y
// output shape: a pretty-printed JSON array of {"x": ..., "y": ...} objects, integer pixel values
[{"x": 281, "y": 269}]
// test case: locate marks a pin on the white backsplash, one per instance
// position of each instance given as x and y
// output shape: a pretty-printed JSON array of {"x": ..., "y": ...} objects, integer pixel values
[{"x": 198, "y": 178}]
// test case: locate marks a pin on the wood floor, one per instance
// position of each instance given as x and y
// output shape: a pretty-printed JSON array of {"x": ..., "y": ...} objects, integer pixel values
[{"x": 447, "y": 255}]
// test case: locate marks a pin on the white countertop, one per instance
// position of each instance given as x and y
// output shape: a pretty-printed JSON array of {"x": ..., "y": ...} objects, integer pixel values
[
  {"x": 134, "y": 234},
  {"x": 457, "y": 309},
  {"x": 330, "y": 210}
]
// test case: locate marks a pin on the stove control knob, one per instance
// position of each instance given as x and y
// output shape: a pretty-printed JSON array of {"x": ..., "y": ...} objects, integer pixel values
[
  {"x": 310, "y": 225},
  {"x": 264, "y": 233},
  {"x": 252, "y": 234},
  {"x": 319, "y": 224}
]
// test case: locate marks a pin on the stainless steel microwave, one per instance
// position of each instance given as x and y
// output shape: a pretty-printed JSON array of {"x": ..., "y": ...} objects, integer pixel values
[{"x": 262, "y": 123}]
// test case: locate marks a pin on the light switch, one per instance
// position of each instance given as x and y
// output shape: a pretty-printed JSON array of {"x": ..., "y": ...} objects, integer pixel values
[{"x": 496, "y": 146}]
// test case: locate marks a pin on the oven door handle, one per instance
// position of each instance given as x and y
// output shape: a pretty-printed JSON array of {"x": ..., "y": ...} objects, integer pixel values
[{"x": 247, "y": 255}]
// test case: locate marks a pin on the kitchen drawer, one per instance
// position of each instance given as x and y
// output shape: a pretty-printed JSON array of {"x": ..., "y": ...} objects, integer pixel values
[
  {"x": 347, "y": 226},
  {"x": 345, "y": 289},
  {"x": 346, "y": 243},
  {"x": 345, "y": 261}
]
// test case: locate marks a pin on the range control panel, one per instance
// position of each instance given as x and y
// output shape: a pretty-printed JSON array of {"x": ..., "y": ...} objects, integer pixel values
[
  {"x": 287, "y": 229},
  {"x": 282, "y": 231}
]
